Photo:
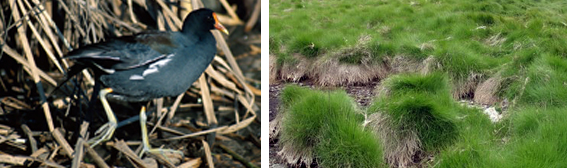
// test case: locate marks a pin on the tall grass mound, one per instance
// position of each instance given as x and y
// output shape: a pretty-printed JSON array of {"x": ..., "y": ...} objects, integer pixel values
[
  {"x": 324, "y": 126},
  {"x": 423, "y": 115},
  {"x": 415, "y": 106}
]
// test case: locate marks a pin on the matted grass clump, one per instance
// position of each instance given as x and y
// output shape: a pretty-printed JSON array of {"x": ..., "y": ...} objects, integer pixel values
[
  {"x": 425, "y": 116},
  {"x": 434, "y": 84},
  {"x": 325, "y": 126},
  {"x": 418, "y": 106}
]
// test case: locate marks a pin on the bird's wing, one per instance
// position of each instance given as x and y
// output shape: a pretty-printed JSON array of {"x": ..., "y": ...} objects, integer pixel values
[{"x": 127, "y": 52}]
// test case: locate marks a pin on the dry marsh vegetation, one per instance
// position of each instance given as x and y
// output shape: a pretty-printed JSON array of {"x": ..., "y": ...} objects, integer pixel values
[
  {"x": 49, "y": 130},
  {"x": 400, "y": 149}
]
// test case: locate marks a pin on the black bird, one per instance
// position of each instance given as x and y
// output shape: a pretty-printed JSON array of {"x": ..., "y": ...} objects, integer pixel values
[{"x": 149, "y": 65}]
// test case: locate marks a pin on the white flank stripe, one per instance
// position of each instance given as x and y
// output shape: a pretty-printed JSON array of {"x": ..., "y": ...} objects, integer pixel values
[
  {"x": 154, "y": 66},
  {"x": 136, "y": 77}
]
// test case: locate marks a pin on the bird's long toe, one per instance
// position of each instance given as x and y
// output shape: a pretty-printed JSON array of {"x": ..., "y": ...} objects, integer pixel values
[
  {"x": 166, "y": 153},
  {"x": 104, "y": 133}
]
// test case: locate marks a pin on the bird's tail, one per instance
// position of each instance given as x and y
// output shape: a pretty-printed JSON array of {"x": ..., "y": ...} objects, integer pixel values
[{"x": 74, "y": 70}]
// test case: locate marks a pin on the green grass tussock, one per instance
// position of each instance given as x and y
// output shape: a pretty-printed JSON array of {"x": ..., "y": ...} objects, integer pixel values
[
  {"x": 326, "y": 125},
  {"x": 292, "y": 94},
  {"x": 420, "y": 113},
  {"x": 347, "y": 145},
  {"x": 421, "y": 104},
  {"x": 433, "y": 84}
]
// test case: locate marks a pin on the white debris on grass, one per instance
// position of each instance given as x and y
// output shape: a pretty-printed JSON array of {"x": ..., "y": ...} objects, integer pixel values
[{"x": 492, "y": 113}]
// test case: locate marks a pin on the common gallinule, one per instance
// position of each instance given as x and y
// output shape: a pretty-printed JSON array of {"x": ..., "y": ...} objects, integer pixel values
[{"x": 149, "y": 65}]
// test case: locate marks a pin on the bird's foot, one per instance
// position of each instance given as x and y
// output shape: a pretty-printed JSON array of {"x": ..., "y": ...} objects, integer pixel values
[
  {"x": 166, "y": 153},
  {"x": 104, "y": 133}
]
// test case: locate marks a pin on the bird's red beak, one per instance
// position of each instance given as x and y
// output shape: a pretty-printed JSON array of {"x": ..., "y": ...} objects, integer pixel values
[{"x": 219, "y": 26}]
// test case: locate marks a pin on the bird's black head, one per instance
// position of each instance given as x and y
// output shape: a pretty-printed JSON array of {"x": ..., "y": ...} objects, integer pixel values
[{"x": 202, "y": 19}]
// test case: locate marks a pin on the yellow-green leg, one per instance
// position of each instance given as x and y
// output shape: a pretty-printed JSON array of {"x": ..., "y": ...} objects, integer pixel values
[
  {"x": 145, "y": 140},
  {"x": 106, "y": 131}
]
